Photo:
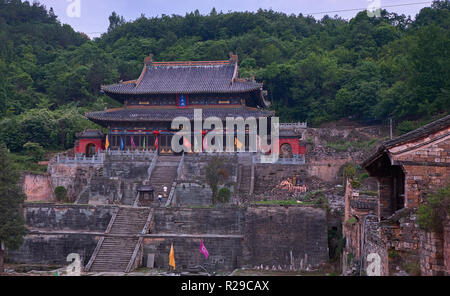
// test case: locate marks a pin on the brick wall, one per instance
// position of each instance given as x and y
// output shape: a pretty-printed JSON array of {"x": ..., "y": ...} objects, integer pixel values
[{"x": 426, "y": 163}]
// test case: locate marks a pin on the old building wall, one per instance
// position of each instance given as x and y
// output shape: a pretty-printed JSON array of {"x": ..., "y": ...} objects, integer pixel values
[
  {"x": 426, "y": 163},
  {"x": 446, "y": 246}
]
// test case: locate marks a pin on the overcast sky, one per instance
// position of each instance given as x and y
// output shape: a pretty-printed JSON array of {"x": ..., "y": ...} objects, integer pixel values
[{"x": 92, "y": 18}]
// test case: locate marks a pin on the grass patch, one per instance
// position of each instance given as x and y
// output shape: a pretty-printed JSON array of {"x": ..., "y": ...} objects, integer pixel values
[{"x": 343, "y": 145}]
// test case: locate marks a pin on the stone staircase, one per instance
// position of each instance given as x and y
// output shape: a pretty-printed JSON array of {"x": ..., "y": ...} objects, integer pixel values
[
  {"x": 164, "y": 174},
  {"x": 115, "y": 253},
  {"x": 245, "y": 180}
]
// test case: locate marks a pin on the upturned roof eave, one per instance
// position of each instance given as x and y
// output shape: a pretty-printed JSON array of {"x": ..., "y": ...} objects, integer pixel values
[{"x": 149, "y": 92}]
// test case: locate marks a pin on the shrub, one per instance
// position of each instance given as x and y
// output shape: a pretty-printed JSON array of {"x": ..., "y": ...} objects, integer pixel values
[
  {"x": 434, "y": 211},
  {"x": 34, "y": 150},
  {"x": 363, "y": 176},
  {"x": 224, "y": 195},
  {"x": 351, "y": 220},
  {"x": 61, "y": 194},
  {"x": 406, "y": 126},
  {"x": 356, "y": 184}
]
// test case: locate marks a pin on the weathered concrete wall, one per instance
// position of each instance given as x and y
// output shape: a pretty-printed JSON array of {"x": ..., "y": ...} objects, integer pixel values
[
  {"x": 194, "y": 167},
  {"x": 192, "y": 194},
  {"x": 118, "y": 179},
  {"x": 289, "y": 236},
  {"x": 286, "y": 236},
  {"x": 225, "y": 253},
  {"x": 268, "y": 176},
  {"x": 37, "y": 187},
  {"x": 67, "y": 217},
  {"x": 73, "y": 177},
  {"x": 328, "y": 167},
  {"x": 199, "y": 220},
  {"x": 53, "y": 249}
]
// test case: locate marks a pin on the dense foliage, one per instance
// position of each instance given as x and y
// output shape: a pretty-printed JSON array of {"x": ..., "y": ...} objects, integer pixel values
[
  {"x": 12, "y": 227},
  {"x": 366, "y": 69}
]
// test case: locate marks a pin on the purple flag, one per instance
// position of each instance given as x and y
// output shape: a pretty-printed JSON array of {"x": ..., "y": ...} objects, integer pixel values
[
  {"x": 203, "y": 250},
  {"x": 132, "y": 142}
]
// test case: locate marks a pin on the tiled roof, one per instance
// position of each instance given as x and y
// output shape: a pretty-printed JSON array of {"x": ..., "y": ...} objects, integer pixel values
[
  {"x": 416, "y": 134},
  {"x": 89, "y": 133},
  {"x": 167, "y": 114},
  {"x": 421, "y": 132},
  {"x": 185, "y": 78}
]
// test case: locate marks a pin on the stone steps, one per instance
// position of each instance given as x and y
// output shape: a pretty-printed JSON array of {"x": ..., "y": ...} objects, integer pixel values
[
  {"x": 164, "y": 174},
  {"x": 244, "y": 187},
  {"x": 115, "y": 252}
]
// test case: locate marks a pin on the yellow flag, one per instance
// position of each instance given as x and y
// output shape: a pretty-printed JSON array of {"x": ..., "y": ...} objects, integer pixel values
[
  {"x": 106, "y": 142},
  {"x": 237, "y": 143},
  {"x": 172, "y": 257}
]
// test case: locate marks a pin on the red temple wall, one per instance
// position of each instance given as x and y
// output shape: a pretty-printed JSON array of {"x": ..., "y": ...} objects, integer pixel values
[
  {"x": 82, "y": 143},
  {"x": 296, "y": 147}
]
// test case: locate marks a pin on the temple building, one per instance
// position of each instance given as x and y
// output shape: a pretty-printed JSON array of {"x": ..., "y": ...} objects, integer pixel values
[{"x": 166, "y": 90}]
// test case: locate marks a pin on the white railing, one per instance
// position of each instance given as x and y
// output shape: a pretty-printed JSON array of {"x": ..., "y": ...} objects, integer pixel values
[
  {"x": 296, "y": 159},
  {"x": 96, "y": 159},
  {"x": 293, "y": 125}
]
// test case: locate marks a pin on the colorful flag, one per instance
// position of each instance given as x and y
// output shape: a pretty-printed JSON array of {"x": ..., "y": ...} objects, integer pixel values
[
  {"x": 203, "y": 250},
  {"x": 121, "y": 144},
  {"x": 237, "y": 143},
  {"x": 172, "y": 257},
  {"x": 187, "y": 144},
  {"x": 156, "y": 143},
  {"x": 56, "y": 273},
  {"x": 205, "y": 143},
  {"x": 143, "y": 144},
  {"x": 106, "y": 142}
]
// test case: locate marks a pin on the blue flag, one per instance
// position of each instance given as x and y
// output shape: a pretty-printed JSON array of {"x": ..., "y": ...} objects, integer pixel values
[{"x": 121, "y": 143}]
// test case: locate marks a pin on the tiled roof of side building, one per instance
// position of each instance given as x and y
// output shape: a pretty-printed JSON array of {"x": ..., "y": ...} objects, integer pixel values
[
  {"x": 167, "y": 114},
  {"x": 416, "y": 134},
  {"x": 185, "y": 78}
]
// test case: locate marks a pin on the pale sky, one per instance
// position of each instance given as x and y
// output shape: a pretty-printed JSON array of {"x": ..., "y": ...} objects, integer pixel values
[{"x": 92, "y": 18}]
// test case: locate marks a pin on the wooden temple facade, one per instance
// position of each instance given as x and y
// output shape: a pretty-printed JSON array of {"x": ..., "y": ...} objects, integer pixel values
[{"x": 166, "y": 90}]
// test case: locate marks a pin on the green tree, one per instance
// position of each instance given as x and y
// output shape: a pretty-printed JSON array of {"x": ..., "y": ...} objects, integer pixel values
[
  {"x": 224, "y": 194},
  {"x": 215, "y": 175},
  {"x": 12, "y": 229},
  {"x": 434, "y": 211},
  {"x": 34, "y": 150}
]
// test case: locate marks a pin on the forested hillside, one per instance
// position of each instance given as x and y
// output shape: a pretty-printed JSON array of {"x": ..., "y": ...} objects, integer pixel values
[{"x": 365, "y": 69}]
